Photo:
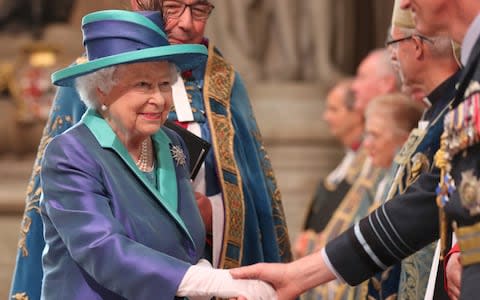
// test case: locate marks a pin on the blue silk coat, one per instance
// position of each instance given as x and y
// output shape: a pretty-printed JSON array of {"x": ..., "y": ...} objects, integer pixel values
[{"x": 109, "y": 232}]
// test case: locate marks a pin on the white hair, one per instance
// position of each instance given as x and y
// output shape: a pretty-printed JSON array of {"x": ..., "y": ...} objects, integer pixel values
[
  {"x": 396, "y": 109},
  {"x": 384, "y": 66},
  {"x": 87, "y": 85},
  {"x": 440, "y": 45},
  {"x": 104, "y": 80}
]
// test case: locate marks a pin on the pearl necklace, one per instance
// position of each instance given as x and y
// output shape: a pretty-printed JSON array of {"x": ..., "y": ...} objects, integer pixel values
[{"x": 145, "y": 160}]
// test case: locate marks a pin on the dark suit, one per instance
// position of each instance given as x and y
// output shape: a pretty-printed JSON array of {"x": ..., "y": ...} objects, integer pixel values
[{"x": 324, "y": 203}]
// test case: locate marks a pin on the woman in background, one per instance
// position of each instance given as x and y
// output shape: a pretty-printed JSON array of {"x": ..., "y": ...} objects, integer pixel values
[{"x": 388, "y": 122}]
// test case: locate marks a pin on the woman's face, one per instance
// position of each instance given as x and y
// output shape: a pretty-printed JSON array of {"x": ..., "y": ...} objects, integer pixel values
[
  {"x": 140, "y": 100},
  {"x": 381, "y": 141}
]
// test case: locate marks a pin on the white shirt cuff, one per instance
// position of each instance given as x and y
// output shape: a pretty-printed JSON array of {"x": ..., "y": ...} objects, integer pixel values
[{"x": 330, "y": 266}]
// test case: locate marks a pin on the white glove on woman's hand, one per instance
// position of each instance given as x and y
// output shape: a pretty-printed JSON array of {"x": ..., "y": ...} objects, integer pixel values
[
  {"x": 202, "y": 280},
  {"x": 204, "y": 264}
]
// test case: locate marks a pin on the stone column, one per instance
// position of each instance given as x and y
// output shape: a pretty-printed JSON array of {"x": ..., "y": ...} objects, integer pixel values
[{"x": 309, "y": 40}]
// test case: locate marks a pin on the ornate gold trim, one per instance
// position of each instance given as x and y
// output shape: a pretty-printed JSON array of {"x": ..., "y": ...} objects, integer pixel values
[
  {"x": 356, "y": 167},
  {"x": 344, "y": 215},
  {"x": 34, "y": 190},
  {"x": 218, "y": 83},
  {"x": 278, "y": 213},
  {"x": 469, "y": 242}
]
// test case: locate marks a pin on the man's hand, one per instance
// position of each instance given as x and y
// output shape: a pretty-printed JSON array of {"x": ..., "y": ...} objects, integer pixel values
[
  {"x": 454, "y": 275},
  {"x": 275, "y": 274},
  {"x": 205, "y": 207},
  {"x": 292, "y": 279}
]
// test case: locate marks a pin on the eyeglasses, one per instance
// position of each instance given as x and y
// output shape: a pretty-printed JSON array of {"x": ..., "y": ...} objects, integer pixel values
[
  {"x": 393, "y": 42},
  {"x": 200, "y": 10}
]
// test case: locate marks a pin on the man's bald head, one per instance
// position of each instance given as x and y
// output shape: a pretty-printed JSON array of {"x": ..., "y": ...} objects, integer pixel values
[{"x": 375, "y": 76}]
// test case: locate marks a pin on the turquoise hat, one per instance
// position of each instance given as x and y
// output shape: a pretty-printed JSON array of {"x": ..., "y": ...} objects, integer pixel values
[{"x": 114, "y": 37}]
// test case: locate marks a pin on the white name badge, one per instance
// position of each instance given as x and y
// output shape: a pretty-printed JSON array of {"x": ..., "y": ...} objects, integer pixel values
[
  {"x": 423, "y": 125},
  {"x": 180, "y": 101}
]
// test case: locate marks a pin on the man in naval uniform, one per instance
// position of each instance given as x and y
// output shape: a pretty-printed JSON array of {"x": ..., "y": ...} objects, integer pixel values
[
  {"x": 236, "y": 189},
  {"x": 427, "y": 66},
  {"x": 412, "y": 220}
]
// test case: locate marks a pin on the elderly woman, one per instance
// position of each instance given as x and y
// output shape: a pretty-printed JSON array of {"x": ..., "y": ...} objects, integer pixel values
[
  {"x": 388, "y": 122},
  {"x": 389, "y": 119},
  {"x": 120, "y": 216}
]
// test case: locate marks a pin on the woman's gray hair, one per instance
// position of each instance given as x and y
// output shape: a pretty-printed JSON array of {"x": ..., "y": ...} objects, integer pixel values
[
  {"x": 87, "y": 85},
  {"x": 104, "y": 80},
  {"x": 397, "y": 108}
]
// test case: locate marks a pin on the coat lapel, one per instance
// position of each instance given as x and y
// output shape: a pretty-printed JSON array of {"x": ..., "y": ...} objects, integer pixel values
[{"x": 167, "y": 193}]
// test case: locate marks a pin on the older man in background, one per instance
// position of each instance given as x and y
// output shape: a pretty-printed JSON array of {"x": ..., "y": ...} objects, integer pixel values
[
  {"x": 427, "y": 66},
  {"x": 346, "y": 124},
  {"x": 375, "y": 77},
  {"x": 404, "y": 225}
]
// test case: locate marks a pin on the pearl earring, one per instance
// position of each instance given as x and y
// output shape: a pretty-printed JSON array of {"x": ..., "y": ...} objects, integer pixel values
[{"x": 103, "y": 108}]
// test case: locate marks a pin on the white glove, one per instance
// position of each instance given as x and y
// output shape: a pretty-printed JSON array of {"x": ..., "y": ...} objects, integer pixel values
[
  {"x": 202, "y": 280},
  {"x": 202, "y": 263}
]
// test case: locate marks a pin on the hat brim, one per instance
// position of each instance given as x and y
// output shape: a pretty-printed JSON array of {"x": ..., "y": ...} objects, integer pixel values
[{"x": 185, "y": 57}]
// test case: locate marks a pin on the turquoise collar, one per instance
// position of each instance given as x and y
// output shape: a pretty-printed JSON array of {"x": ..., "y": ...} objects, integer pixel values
[{"x": 167, "y": 194}]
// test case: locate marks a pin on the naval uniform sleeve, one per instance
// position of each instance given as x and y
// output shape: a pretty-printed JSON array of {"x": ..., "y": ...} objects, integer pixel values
[{"x": 394, "y": 231}]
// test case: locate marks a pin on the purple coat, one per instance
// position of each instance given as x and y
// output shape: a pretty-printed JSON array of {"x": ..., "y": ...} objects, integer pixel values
[{"x": 109, "y": 232}]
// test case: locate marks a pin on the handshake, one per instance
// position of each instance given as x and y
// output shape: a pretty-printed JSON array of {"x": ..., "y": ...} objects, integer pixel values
[
  {"x": 202, "y": 281},
  {"x": 263, "y": 281}
]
